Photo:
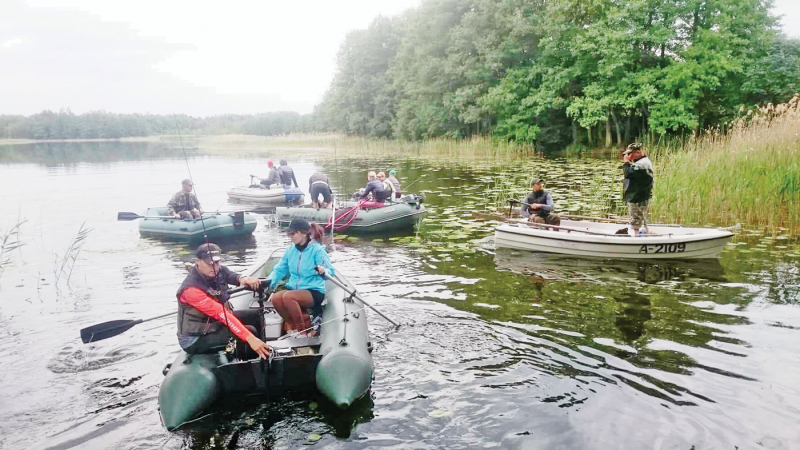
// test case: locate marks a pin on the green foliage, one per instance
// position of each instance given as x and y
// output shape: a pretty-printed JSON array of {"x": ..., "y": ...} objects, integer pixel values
[
  {"x": 103, "y": 125},
  {"x": 535, "y": 72}
]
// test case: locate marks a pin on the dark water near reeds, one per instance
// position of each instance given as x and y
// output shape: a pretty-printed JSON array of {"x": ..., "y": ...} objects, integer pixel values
[{"x": 499, "y": 349}]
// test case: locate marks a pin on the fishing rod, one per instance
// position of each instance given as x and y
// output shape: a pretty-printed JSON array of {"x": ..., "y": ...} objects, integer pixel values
[{"x": 425, "y": 175}]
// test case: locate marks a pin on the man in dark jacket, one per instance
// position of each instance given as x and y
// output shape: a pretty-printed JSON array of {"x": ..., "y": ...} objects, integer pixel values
[
  {"x": 375, "y": 187},
  {"x": 318, "y": 185},
  {"x": 205, "y": 319},
  {"x": 540, "y": 205},
  {"x": 638, "y": 186},
  {"x": 287, "y": 175},
  {"x": 273, "y": 177}
]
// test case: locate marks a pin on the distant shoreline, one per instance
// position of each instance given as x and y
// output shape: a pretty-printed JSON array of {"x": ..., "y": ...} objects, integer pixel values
[{"x": 44, "y": 141}]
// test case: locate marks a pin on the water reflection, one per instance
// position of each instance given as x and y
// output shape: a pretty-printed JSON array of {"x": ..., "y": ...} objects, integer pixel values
[
  {"x": 53, "y": 154},
  {"x": 506, "y": 349}
]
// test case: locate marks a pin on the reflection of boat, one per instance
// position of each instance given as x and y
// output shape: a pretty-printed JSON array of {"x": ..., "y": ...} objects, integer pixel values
[
  {"x": 584, "y": 238},
  {"x": 269, "y": 197},
  {"x": 217, "y": 226},
  {"x": 337, "y": 362},
  {"x": 401, "y": 215},
  {"x": 552, "y": 266}
]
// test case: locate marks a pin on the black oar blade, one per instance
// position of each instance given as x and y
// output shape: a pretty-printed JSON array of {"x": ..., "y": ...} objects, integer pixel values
[
  {"x": 125, "y": 216},
  {"x": 106, "y": 330}
]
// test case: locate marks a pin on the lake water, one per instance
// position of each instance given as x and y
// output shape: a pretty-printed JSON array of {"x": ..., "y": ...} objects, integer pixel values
[{"x": 498, "y": 349}]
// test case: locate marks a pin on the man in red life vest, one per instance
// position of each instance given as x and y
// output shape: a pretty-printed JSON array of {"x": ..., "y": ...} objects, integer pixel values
[{"x": 205, "y": 319}]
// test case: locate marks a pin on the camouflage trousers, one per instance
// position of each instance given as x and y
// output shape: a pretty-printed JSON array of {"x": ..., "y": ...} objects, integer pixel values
[
  {"x": 551, "y": 219},
  {"x": 638, "y": 213},
  {"x": 193, "y": 214}
]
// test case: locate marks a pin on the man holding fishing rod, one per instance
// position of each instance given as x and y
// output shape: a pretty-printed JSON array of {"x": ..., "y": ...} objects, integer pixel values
[{"x": 205, "y": 319}]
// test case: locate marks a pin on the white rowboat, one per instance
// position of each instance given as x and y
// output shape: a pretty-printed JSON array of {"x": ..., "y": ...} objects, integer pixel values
[{"x": 585, "y": 238}]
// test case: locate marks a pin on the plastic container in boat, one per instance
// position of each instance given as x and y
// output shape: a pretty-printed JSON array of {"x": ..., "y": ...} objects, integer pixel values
[{"x": 273, "y": 324}]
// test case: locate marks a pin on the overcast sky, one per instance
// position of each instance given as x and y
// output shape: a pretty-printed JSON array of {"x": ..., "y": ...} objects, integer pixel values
[{"x": 195, "y": 57}]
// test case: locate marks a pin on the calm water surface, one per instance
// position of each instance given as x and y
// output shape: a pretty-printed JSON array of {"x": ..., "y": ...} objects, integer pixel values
[{"x": 499, "y": 349}]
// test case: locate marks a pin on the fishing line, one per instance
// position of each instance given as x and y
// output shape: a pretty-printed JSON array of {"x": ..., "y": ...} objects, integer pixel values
[{"x": 205, "y": 234}]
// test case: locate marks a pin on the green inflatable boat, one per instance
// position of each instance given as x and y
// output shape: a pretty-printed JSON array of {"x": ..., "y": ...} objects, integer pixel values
[
  {"x": 336, "y": 363},
  {"x": 157, "y": 224},
  {"x": 403, "y": 214}
]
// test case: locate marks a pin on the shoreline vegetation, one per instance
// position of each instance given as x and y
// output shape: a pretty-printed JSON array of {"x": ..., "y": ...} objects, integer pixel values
[{"x": 749, "y": 175}]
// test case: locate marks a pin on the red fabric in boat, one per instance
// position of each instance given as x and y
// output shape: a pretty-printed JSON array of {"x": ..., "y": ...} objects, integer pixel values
[{"x": 373, "y": 205}]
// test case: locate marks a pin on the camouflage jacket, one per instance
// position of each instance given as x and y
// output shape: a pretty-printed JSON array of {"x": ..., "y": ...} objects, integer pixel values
[{"x": 182, "y": 201}]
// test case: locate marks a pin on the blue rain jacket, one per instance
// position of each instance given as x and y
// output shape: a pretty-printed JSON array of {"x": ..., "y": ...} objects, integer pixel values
[{"x": 300, "y": 267}]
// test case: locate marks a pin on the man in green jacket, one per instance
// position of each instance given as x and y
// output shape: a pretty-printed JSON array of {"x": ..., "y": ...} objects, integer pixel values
[{"x": 638, "y": 186}]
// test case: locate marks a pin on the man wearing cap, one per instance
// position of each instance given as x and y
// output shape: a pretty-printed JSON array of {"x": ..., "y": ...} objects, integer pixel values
[
  {"x": 375, "y": 187},
  {"x": 184, "y": 204},
  {"x": 538, "y": 206},
  {"x": 393, "y": 179},
  {"x": 638, "y": 186},
  {"x": 273, "y": 177},
  {"x": 205, "y": 319}
]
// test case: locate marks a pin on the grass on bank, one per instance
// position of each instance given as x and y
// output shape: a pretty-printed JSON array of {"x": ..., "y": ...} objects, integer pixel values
[{"x": 749, "y": 175}]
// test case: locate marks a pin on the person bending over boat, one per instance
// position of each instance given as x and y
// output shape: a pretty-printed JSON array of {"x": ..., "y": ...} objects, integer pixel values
[
  {"x": 287, "y": 175},
  {"x": 274, "y": 176},
  {"x": 539, "y": 208},
  {"x": 393, "y": 179},
  {"x": 638, "y": 186},
  {"x": 388, "y": 186},
  {"x": 184, "y": 204},
  {"x": 375, "y": 187},
  {"x": 205, "y": 319},
  {"x": 305, "y": 262},
  {"x": 318, "y": 185}
]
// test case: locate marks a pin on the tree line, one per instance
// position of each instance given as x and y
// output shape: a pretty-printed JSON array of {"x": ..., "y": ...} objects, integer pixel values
[
  {"x": 104, "y": 125},
  {"x": 560, "y": 71}
]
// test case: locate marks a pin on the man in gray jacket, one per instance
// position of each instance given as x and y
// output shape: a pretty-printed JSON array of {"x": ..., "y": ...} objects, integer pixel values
[{"x": 539, "y": 205}]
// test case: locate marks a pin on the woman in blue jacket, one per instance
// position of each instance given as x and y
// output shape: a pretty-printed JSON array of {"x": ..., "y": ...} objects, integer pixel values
[{"x": 306, "y": 262}]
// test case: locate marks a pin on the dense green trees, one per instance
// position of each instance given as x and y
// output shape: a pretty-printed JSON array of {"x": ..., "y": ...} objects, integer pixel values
[
  {"x": 102, "y": 125},
  {"x": 551, "y": 72}
]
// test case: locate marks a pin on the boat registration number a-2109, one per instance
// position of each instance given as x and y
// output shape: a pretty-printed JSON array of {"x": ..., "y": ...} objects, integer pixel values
[{"x": 663, "y": 248}]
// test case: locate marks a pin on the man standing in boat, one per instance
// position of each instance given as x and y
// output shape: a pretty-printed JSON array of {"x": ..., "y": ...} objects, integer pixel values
[
  {"x": 184, "y": 204},
  {"x": 287, "y": 175},
  {"x": 638, "y": 186},
  {"x": 273, "y": 177},
  {"x": 205, "y": 320},
  {"x": 538, "y": 206},
  {"x": 318, "y": 185}
]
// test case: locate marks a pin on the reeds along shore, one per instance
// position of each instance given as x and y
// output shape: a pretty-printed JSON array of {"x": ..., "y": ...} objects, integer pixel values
[{"x": 749, "y": 175}]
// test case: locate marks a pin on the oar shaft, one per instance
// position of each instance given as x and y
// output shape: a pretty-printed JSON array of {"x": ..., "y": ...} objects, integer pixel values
[{"x": 353, "y": 293}]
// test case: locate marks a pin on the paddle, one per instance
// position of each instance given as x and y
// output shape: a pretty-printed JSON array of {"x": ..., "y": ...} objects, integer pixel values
[
  {"x": 113, "y": 328},
  {"x": 353, "y": 293}
]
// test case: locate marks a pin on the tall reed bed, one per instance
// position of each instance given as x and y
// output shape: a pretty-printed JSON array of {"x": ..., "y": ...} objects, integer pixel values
[
  {"x": 749, "y": 175},
  {"x": 478, "y": 146}
]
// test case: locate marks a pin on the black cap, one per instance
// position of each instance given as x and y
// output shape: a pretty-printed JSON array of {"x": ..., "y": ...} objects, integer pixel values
[
  {"x": 283, "y": 162},
  {"x": 299, "y": 225},
  {"x": 208, "y": 252},
  {"x": 536, "y": 180}
]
